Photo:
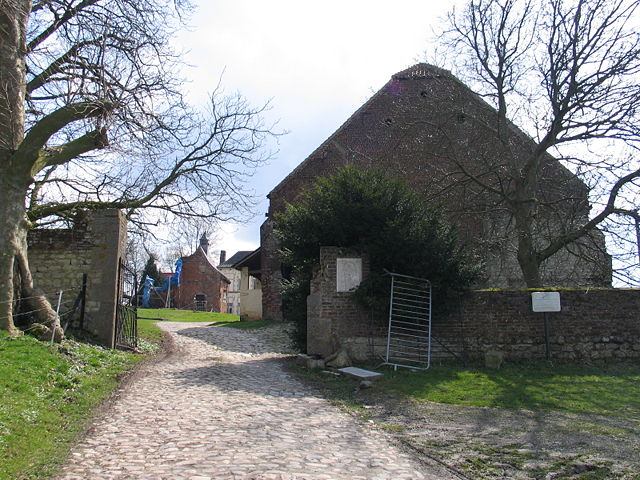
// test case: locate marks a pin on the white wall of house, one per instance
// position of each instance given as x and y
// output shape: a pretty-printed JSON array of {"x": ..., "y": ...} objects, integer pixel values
[
  {"x": 250, "y": 296},
  {"x": 233, "y": 292}
]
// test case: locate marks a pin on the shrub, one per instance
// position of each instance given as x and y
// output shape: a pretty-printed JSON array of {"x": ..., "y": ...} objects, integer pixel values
[{"x": 370, "y": 212}]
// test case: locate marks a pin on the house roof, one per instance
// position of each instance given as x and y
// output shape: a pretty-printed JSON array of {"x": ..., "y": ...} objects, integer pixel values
[
  {"x": 421, "y": 70},
  {"x": 252, "y": 261},
  {"x": 415, "y": 72},
  {"x": 235, "y": 258},
  {"x": 200, "y": 252}
]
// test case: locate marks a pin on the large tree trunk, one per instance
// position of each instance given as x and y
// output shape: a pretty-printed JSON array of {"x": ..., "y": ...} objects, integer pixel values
[
  {"x": 14, "y": 15},
  {"x": 523, "y": 211},
  {"x": 10, "y": 238},
  {"x": 16, "y": 176},
  {"x": 12, "y": 244},
  {"x": 13, "y": 262},
  {"x": 13, "y": 23},
  {"x": 529, "y": 265}
]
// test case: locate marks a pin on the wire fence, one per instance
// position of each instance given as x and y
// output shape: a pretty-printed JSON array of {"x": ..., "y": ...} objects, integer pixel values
[
  {"x": 66, "y": 303},
  {"x": 46, "y": 294},
  {"x": 65, "y": 308}
]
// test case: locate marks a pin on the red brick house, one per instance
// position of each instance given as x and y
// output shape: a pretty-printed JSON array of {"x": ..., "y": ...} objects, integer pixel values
[
  {"x": 202, "y": 285},
  {"x": 414, "y": 128}
]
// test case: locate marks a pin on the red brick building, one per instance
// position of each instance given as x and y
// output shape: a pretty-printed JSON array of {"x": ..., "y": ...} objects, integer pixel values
[
  {"x": 414, "y": 128},
  {"x": 202, "y": 285}
]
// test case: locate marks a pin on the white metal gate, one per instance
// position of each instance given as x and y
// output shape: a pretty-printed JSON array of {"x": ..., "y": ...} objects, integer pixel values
[{"x": 409, "y": 335}]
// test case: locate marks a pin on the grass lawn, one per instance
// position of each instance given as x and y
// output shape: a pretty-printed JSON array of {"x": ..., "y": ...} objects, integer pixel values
[
  {"x": 174, "y": 315},
  {"x": 48, "y": 393},
  {"x": 613, "y": 390},
  {"x": 220, "y": 319},
  {"x": 148, "y": 331},
  {"x": 607, "y": 390}
]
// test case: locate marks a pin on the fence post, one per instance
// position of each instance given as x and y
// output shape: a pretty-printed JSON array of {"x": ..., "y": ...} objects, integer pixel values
[{"x": 83, "y": 300}]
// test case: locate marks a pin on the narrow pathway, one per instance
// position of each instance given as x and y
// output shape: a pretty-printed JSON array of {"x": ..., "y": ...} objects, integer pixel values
[{"x": 221, "y": 407}]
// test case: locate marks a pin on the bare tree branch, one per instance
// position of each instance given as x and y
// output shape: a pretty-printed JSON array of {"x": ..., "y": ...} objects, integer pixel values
[
  {"x": 92, "y": 90},
  {"x": 572, "y": 68}
]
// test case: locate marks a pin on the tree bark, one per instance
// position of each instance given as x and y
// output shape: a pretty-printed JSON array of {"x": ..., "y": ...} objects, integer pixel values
[
  {"x": 13, "y": 23},
  {"x": 14, "y": 266},
  {"x": 528, "y": 264},
  {"x": 15, "y": 175},
  {"x": 13, "y": 242},
  {"x": 14, "y": 15},
  {"x": 523, "y": 210}
]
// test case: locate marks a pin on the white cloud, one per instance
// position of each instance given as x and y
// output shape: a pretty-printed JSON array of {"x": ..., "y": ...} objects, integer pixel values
[
  {"x": 233, "y": 238},
  {"x": 317, "y": 61}
]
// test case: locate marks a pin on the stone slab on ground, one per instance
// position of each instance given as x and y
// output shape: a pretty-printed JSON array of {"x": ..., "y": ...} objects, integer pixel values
[{"x": 360, "y": 373}]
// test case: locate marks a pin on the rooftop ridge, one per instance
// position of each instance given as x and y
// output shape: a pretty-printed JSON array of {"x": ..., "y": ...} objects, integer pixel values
[{"x": 421, "y": 70}]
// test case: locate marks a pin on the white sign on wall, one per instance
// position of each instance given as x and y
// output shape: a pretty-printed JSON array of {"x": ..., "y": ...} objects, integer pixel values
[
  {"x": 349, "y": 274},
  {"x": 545, "y": 301}
]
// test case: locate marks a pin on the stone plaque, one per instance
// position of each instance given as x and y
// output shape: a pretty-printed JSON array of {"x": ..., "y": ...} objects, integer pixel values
[
  {"x": 545, "y": 301},
  {"x": 349, "y": 273}
]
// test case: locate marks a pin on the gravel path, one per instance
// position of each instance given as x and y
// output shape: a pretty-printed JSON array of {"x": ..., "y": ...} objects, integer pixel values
[{"x": 221, "y": 406}]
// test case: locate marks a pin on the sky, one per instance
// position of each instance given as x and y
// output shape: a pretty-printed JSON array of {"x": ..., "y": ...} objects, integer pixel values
[{"x": 316, "y": 62}]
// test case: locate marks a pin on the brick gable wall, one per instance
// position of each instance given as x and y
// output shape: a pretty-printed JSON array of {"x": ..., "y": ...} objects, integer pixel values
[
  {"x": 199, "y": 276},
  {"x": 413, "y": 128}
]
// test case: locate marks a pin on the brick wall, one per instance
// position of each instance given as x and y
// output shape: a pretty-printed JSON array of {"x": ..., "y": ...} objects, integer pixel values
[
  {"x": 407, "y": 129},
  {"x": 594, "y": 325},
  {"x": 270, "y": 273},
  {"x": 199, "y": 276},
  {"x": 59, "y": 258},
  {"x": 333, "y": 318}
]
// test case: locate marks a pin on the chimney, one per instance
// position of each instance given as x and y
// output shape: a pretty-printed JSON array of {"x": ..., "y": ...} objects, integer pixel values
[{"x": 223, "y": 256}]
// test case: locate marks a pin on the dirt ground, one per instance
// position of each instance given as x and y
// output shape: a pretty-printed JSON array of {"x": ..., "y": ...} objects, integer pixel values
[{"x": 487, "y": 443}]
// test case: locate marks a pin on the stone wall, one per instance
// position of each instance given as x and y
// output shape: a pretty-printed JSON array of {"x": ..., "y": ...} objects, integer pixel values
[
  {"x": 59, "y": 258},
  {"x": 594, "y": 324}
]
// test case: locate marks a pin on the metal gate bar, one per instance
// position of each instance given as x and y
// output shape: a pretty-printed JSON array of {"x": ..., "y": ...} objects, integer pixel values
[
  {"x": 409, "y": 334},
  {"x": 126, "y": 335}
]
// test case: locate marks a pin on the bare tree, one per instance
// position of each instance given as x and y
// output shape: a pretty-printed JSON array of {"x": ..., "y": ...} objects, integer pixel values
[
  {"x": 183, "y": 239},
  {"x": 92, "y": 116},
  {"x": 186, "y": 235},
  {"x": 137, "y": 252},
  {"x": 567, "y": 73}
]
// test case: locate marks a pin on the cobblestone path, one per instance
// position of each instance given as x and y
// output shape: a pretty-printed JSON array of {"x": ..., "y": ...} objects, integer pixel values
[{"x": 221, "y": 406}]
